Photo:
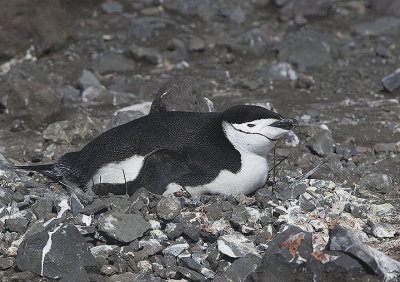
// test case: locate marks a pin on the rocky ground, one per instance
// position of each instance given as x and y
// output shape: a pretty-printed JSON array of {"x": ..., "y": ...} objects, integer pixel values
[{"x": 69, "y": 69}]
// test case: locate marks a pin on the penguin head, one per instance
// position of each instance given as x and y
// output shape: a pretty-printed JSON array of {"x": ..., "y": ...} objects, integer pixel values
[{"x": 254, "y": 129}]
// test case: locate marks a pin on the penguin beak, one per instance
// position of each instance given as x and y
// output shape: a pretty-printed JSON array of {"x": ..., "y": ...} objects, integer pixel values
[{"x": 287, "y": 123}]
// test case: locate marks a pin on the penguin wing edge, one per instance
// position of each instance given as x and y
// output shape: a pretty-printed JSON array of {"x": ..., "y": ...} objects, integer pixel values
[{"x": 160, "y": 168}]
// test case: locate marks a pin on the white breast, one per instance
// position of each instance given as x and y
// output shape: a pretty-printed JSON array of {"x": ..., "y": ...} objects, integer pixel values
[{"x": 252, "y": 175}]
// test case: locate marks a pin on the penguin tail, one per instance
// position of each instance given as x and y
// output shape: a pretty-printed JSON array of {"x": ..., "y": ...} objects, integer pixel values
[{"x": 49, "y": 170}]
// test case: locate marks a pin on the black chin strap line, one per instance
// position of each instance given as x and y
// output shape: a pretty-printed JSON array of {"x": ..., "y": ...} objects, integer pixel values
[{"x": 270, "y": 139}]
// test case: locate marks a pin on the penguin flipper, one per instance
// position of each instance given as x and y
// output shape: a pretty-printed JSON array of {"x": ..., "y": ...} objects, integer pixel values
[{"x": 160, "y": 168}]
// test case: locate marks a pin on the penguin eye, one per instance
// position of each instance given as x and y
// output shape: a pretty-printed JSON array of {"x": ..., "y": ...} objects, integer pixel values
[{"x": 251, "y": 125}]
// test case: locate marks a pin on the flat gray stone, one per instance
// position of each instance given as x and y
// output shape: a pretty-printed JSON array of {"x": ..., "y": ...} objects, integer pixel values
[
  {"x": 384, "y": 25},
  {"x": 123, "y": 227},
  {"x": 382, "y": 265},
  {"x": 391, "y": 82},
  {"x": 60, "y": 252},
  {"x": 87, "y": 79},
  {"x": 236, "y": 245},
  {"x": 378, "y": 182},
  {"x": 321, "y": 143}
]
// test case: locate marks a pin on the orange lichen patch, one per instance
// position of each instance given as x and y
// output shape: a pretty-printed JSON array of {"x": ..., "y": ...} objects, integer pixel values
[
  {"x": 293, "y": 243},
  {"x": 321, "y": 256},
  {"x": 208, "y": 229},
  {"x": 328, "y": 221},
  {"x": 331, "y": 225}
]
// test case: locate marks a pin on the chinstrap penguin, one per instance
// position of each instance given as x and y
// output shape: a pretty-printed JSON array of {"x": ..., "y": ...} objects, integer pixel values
[{"x": 215, "y": 152}]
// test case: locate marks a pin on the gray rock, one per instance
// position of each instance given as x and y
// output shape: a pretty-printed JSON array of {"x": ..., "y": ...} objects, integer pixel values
[
  {"x": 307, "y": 49},
  {"x": 143, "y": 28},
  {"x": 392, "y": 81},
  {"x": 175, "y": 249},
  {"x": 95, "y": 95},
  {"x": 192, "y": 230},
  {"x": 321, "y": 142},
  {"x": 356, "y": 211},
  {"x": 19, "y": 224},
  {"x": 182, "y": 94},
  {"x": 386, "y": 7},
  {"x": 147, "y": 278},
  {"x": 304, "y": 81},
  {"x": 248, "y": 84},
  {"x": 307, "y": 202},
  {"x": 113, "y": 62},
  {"x": 33, "y": 102},
  {"x": 87, "y": 79},
  {"x": 345, "y": 151},
  {"x": 108, "y": 270},
  {"x": 140, "y": 199},
  {"x": 143, "y": 54},
  {"x": 280, "y": 3},
  {"x": 206, "y": 10},
  {"x": 380, "y": 230},
  {"x": 75, "y": 204},
  {"x": 6, "y": 263},
  {"x": 213, "y": 211},
  {"x": 381, "y": 26},
  {"x": 80, "y": 128},
  {"x": 263, "y": 197},
  {"x": 378, "y": 182},
  {"x": 127, "y": 276},
  {"x": 256, "y": 41},
  {"x": 176, "y": 51},
  {"x": 61, "y": 252},
  {"x": 18, "y": 197},
  {"x": 151, "y": 246},
  {"x": 285, "y": 191},
  {"x": 102, "y": 252},
  {"x": 382, "y": 265},
  {"x": 70, "y": 94},
  {"x": 168, "y": 208},
  {"x": 280, "y": 71},
  {"x": 196, "y": 44},
  {"x": 97, "y": 206},
  {"x": 229, "y": 58},
  {"x": 48, "y": 26},
  {"x": 382, "y": 51},
  {"x": 239, "y": 216},
  {"x": 386, "y": 148},
  {"x": 123, "y": 117},
  {"x": 338, "y": 266},
  {"x": 112, "y": 7},
  {"x": 123, "y": 227},
  {"x": 174, "y": 230},
  {"x": 191, "y": 275},
  {"x": 5, "y": 170},
  {"x": 194, "y": 265},
  {"x": 286, "y": 257},
  {"x": 310, "y": 8},
  {"x": 235, "y": 245},
  {"x": 24, "y": 276},
  {"x": 242, "y": 269}
]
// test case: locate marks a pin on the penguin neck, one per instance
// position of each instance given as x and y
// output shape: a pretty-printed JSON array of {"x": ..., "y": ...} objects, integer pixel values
[{"x": 247, "y": 143}]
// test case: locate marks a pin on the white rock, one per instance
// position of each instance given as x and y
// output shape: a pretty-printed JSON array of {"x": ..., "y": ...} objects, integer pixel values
[
  {"x": 176, "y": 249},
  {"x": 236, "y": 245},
  {"x": 142, "y": 107}
]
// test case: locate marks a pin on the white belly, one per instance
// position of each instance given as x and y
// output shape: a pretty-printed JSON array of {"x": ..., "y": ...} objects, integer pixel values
[
  {"x": 126, "y": 170},
  {"x": 252, "y": 175}
]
